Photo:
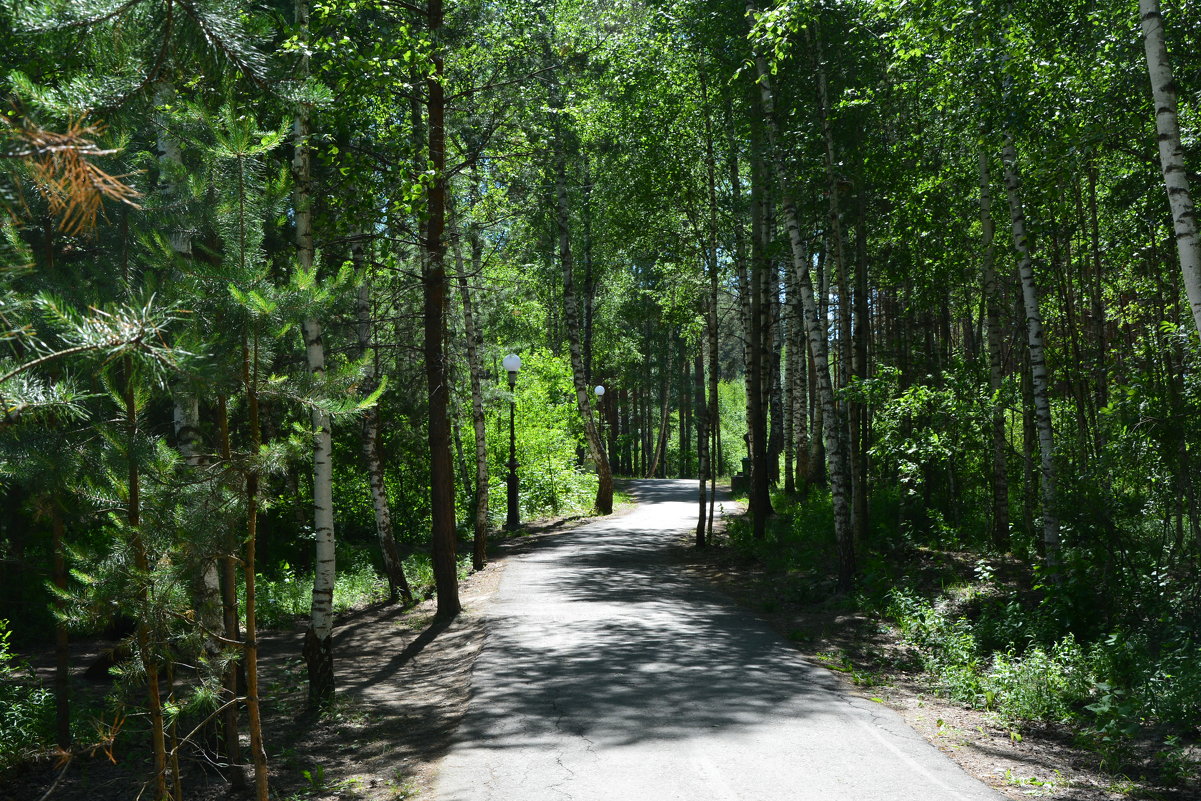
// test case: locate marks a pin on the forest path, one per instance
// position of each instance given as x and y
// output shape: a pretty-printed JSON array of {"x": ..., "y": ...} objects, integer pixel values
[{"x": 607, "y": 674}]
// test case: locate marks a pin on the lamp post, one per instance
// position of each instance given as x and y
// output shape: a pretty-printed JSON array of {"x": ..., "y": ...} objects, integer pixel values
[
  {"x": 512, "y": 363},
  {"x": 600, "y": 407}
]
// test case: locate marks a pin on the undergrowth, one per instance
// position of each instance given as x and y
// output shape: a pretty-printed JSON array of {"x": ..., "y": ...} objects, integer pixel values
[
  {"x": 286, "y": 594},
  {"x": 26, "y": 712},
  {"x": 993, "y": 634}
]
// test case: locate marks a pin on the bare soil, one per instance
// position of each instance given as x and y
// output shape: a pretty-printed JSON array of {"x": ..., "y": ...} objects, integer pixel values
[{"x": 403, "y": 679}]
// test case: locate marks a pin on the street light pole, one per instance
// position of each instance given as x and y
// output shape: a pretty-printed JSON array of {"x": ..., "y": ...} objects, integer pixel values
[
  {"x": 600, "y": 407},
  {"x": 512, "y": 363}
]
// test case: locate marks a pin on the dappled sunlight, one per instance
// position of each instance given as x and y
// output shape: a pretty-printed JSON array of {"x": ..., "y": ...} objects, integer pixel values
[{"x": 608, "y": 673}]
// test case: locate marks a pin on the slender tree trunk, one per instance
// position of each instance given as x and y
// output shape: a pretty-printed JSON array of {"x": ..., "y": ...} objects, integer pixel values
[
  {"x": 708, "y": 422},
  {"x": 759, "y": 358},
  {"x": 589, "y": 284},
  {"x": 258, "y": 753},
  {"x": 798, "y": 349},
  {"x": 1171, "y": 153},
  {"x": 596, "y": 448},
  {"x": 702, "y": 450},
  {"x": 1000, "y": 472},
  {"x": 62, "y": 654},
  {"x": 787, "y": 327},
  {"x": 684, "y": 468},
  {"x": 815, "y": 324},
  {"x": 474, "y": 341},
  {"x": 229, "y": 617},
  {"x": 664, "y": 427},
  {"x": 398, "y": 584},
  {"x": 318, "y": 641},
  {"x": 858, "y": 411},
  {"x": 1038, "y": 364},
  {"x": 142, "y": 563}
]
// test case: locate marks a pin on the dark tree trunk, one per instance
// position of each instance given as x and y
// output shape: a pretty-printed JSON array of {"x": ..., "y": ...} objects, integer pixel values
[{"x": 434, "y": 285}]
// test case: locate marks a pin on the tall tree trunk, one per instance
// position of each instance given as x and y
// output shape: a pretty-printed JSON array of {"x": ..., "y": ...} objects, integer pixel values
[
  {"x": 589, "y": 283},
  {"x": 398, "y": 584},
  {"x": 1171, "y": 153},
  {"x": 858, "y": 411},
  {"x": 707, "y": 422},
  {"x": 684, "y": 468},
  {"x": 318, "y": 640},
  {"x": 664, "y": 420},
  {"x": 816, "y": 326},
  {"x": 62, "y": 655},
  {"x": 702, "y": 450},
  {"x": 142, "y": 563},
  {"x": 798, "y": 349},
  {"x": 250, "y": 379},
  {"x": 1038, "y": 364},
  {"x": 235, "y": 668},
  {"x": 596, "y": 448},
  {"x": 759, "y": 358},
  {"x": 434, "y": 287},
  {"x": 837, "y": 251},
  {"x": 1000, "y": 472},
  {"x": 479, "y": 551},
  {"x": 787, "y": 328}
]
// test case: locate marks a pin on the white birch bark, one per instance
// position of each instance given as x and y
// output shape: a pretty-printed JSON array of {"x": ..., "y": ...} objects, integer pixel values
[
  {"x": 398, "y": 585},
  {"x": 1038, "y": 363},
  {"x": 318, "y": 645},
  {"x": 1171, "y": 153},
  {"x": 832, "y": 422}
]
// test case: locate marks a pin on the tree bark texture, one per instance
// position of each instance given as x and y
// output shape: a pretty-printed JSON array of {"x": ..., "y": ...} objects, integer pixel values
[
  {"x": 318, "y": 641},
  {"x": 832, "y": 422},
  {"x": 398, "y": 584},
  {"x": 434, "y": 288},
  {"x": 1038, "y": 363},
  {"x": 1171, "y": 153}
]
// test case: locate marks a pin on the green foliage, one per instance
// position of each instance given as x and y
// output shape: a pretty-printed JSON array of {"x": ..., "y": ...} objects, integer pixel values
[
  {"x": 284, "y": 596},
  {"x": 1113, "y": 687},
  {"x": 548, "y": 436},
  {"x": 26, "y": 711}
]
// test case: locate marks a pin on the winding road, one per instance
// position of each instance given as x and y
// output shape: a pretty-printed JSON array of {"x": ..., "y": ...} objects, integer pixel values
[{"x": 607, "y": 675}]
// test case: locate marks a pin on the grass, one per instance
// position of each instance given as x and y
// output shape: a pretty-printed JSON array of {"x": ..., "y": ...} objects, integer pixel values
[{"x": 283, "y": 598}]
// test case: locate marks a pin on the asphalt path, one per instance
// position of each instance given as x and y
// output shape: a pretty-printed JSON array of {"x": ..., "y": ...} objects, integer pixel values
[{"x": 608, "y": 675}]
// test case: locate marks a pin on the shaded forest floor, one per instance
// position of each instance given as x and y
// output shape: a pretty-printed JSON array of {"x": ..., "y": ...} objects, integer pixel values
[
  {"x": 1035, "y": 760},
  {"x": 405, "y": 680}
]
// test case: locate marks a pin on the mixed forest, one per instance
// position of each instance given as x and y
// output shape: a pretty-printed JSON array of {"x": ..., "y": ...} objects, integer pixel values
[{"x": 926, "y": 273}]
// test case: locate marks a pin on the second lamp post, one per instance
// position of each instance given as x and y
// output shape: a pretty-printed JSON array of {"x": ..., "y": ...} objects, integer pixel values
[{"x": 512, "y": 363}]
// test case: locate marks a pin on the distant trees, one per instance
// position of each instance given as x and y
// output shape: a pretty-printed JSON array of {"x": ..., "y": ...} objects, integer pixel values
[{"x": 772, "y": 234}]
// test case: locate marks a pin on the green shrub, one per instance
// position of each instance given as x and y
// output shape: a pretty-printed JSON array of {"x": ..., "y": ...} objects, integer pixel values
[
  {"x": 282, "y": 598},
  {"x": 1040, "y": 684},
  {"x": 26, "y": 713}
]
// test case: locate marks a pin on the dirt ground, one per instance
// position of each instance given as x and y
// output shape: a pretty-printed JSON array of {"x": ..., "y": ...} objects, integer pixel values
[{"x": 405, "y": 680}]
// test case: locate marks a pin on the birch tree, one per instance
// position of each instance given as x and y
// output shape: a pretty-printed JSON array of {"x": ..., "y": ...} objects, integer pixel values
[
  {"x": 318, "y": 641},
  {"x": 832, "y": 419},
  {"x": 1171, "y": 153}
]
